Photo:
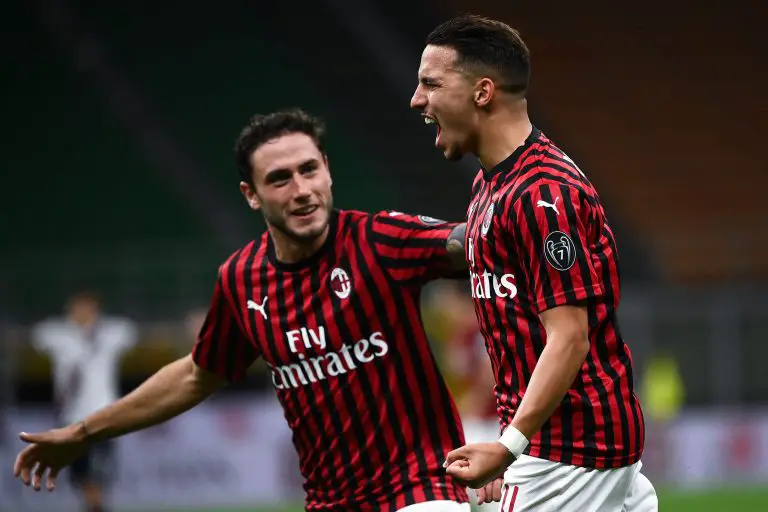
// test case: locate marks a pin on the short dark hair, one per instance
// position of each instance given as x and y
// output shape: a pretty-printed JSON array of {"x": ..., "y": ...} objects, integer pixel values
[
  {"x": 262, "y": 128},
  {"x": 484, "y": 45},
  {"x": 84, "y": 294}
]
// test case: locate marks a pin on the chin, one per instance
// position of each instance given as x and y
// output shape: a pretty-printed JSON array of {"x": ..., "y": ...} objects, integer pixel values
[
  {"x": 310, "y": 232},
  {"x": 453, "y": 154}
]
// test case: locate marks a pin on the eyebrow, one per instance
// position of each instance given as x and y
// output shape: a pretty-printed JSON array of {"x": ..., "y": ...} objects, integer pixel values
[{"x": 284, "y": 172}]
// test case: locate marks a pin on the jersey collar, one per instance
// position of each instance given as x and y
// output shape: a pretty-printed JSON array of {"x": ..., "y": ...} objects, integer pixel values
[
  {"x": 509, "y": 163},
  {"x": 333, "y": 221}
]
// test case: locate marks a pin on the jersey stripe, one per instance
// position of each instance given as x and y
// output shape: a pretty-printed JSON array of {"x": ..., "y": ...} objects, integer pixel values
[
  {"x": 357, "y": 404},
  {"x": 380, "y": 403},
  {"x": 403, "y": 379},
  {"x": 599, "y": 422}
]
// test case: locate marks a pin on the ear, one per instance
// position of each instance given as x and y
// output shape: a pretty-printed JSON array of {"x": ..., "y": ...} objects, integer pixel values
[
  {"x": 484, "y": 92},
  {"x": 250, "y": 195}
]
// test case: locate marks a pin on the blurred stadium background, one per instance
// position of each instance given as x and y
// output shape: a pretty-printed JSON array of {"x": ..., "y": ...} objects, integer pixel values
[{"x": 118, "y": 174}]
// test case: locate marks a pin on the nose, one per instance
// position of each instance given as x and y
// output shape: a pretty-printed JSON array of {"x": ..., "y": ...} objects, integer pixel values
[
  {"x": 419, "y": 99},
  {"x": 303, "y": 190}
]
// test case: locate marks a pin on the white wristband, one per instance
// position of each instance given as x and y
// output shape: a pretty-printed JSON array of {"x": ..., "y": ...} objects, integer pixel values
[{"x": 514, "y": 441}]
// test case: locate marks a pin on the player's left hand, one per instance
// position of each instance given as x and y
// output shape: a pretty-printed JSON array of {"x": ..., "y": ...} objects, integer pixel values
[
  {"x": 491, "y": 492},
  {"x": 48, "y": 452},
  {"x": 477, "y": 464}
]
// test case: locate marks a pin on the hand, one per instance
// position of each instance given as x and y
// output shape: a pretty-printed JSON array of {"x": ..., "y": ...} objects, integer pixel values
[
  {"x": 477, "y": 464},
  {"x": 491, "y": 491},
  {"x": 52, "y": 451}
]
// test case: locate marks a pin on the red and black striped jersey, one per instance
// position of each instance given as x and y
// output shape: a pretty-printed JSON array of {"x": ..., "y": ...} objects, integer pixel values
[
  {"x": 341, "y": 332},
  {"x": 537, "y": 238}
]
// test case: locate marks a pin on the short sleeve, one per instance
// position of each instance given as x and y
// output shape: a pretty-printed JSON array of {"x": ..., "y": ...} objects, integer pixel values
[
  {"x": 126, "y": 334},
  {"x": 552, "y": 243},
  {"x": 42, "y": 336},
  {"x": 222, "y": 347},
  {"x": 413, "y": 247}
]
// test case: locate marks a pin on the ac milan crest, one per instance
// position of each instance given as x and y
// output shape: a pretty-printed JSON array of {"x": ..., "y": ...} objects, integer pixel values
[
  {"x": 487, "y": 220},
  {"x": 471, "y": 209},
  {"x": 341, "y": 284}
]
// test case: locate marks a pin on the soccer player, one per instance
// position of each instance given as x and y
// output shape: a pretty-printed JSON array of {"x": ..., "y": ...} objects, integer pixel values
[
  {"x": 85, "y": 348},
  {"x": 545, "y": 287},
  {"x": 330, "y": 300}
]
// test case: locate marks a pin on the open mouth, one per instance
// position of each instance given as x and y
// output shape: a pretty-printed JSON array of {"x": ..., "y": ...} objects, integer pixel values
[
  {"x": 305, "y": 211},
  {"x": 431, "y": 120}
]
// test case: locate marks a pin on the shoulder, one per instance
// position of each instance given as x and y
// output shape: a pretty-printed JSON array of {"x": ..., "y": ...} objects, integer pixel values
[
  {"x": 404, "y": 225},
  {"x": 48, "y": 327},
  {"x": 382, "y": 219},
  {"x": 250, "y": 251},
  {"x": 350, "y": 220},
  {"x": 349, "y": 225},
  {"x": 549, "y": 168},
  {"x": 120, "y": 330},
  {"x": 51, "y": 334},
  {"x": 118, "y": 323},
  {"x": 351, "y": 217}
]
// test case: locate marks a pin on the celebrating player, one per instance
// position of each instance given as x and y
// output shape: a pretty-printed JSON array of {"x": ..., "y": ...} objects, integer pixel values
[
  {"x": 545, "y": 287},
  {"x": 330, "y": 299}
]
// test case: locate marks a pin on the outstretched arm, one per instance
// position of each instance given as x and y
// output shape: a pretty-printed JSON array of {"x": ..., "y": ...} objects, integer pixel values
[
  {"x": 174, "y": 389},
  {"x": 416, "y": 249}
]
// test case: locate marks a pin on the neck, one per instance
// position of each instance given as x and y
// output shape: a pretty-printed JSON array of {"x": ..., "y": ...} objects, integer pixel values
[
  {"x": 291, "y": 250},
  {"x": 502, "y": 132},
  {"x": 86, "y": 323}
]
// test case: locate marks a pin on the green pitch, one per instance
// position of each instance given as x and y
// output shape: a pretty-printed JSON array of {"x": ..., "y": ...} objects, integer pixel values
[{"x": 729, "y": 500}]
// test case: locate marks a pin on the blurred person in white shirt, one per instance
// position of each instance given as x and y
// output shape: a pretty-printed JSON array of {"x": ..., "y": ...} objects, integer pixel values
[{"x": 85, "y": 347}]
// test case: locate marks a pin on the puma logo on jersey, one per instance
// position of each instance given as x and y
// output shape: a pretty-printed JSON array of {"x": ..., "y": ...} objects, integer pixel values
[
  {"x": 543, "y": 204},
  {"x": 259, "y": 307}
]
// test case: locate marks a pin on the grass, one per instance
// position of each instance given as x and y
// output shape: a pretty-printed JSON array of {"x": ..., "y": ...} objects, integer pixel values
[
  {"x": 670, "y": 500},
  {"x": 722, "y": 500}
]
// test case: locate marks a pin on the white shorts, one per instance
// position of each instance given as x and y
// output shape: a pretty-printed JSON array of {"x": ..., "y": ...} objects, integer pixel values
[
  {"x": 437, "y": 506},
  {"x": 538, "y": 485}
]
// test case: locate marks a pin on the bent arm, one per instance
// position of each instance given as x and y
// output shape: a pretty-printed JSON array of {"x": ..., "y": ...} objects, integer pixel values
[
  {"x": 566, "y": 349},
  {"x": 174, "y": 389}
]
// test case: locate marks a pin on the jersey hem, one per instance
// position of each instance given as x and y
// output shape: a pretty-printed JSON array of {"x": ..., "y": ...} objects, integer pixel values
[
  {"x": 386, "y": 503},
  {"x": 198, "y": 361},
  {"x": 561, "y": 298},
  {"x": 591, "y": 462}
]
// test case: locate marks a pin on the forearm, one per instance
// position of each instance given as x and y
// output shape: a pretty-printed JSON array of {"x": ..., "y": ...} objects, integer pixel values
[
  {"x": 553, "y": 375},
  {"x": 174, "y": 389}
]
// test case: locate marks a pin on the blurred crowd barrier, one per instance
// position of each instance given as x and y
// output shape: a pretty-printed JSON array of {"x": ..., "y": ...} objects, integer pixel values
[
  {"x": 699, "y": 359},
  {"x": 234, "y": 452},
  {"x": 699, "y": 368},
  {"x": 222, "y": 453},
  {"x": 714, "y": 335}
]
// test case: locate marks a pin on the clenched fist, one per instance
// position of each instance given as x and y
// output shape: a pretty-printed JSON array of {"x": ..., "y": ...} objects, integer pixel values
[{"x": 477, "y": 464}]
